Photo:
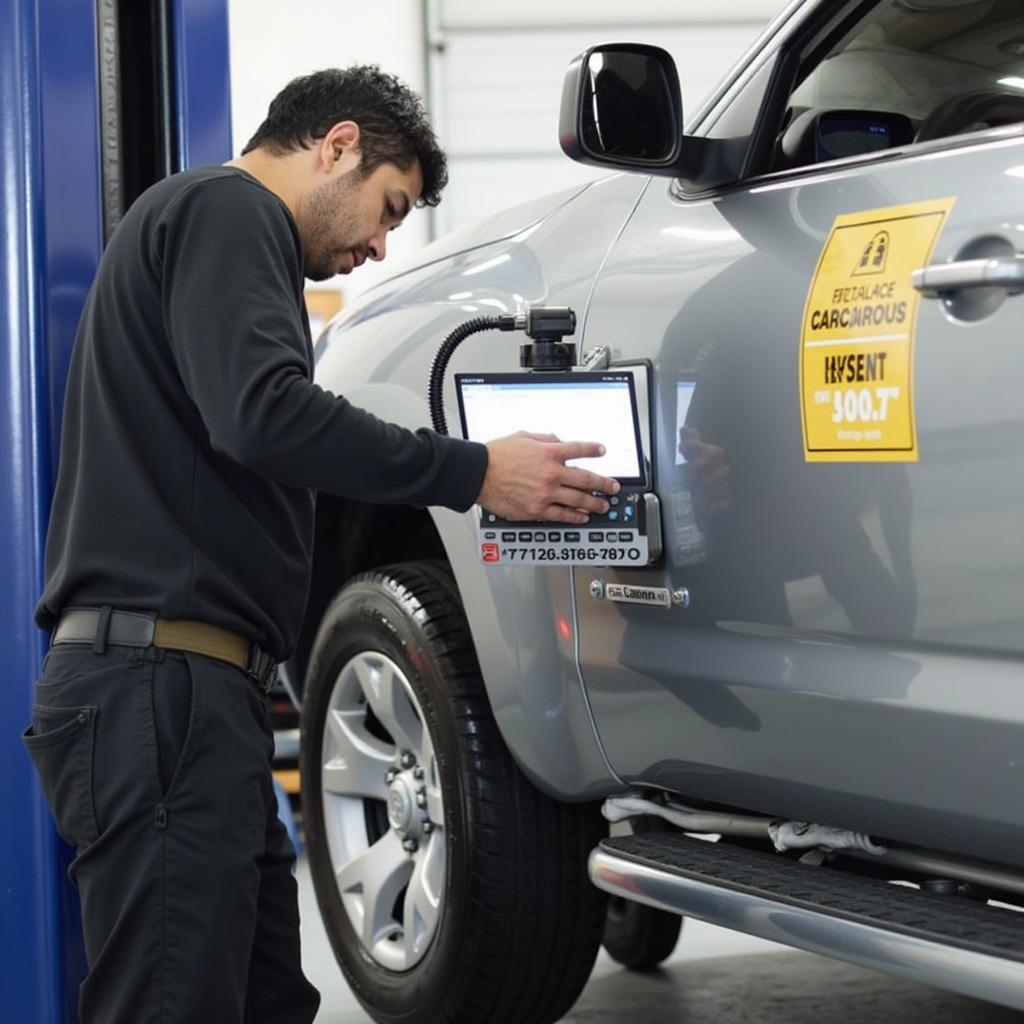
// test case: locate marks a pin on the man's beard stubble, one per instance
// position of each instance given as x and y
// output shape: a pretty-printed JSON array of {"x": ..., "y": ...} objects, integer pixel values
[{"x": 329, "y": 225}]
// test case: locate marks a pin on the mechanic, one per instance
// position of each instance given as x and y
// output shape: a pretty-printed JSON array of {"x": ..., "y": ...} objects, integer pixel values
[{"x": 180, "y": 544}]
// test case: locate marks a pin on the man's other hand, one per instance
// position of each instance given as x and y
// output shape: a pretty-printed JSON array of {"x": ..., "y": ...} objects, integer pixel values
[{"x": 527, "y": 478}]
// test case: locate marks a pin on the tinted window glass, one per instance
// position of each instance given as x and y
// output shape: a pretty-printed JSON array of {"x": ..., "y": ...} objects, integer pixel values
[{"x": 913, "y": 71}]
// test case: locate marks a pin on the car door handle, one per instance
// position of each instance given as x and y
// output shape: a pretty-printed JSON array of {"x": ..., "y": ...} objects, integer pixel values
[{"x": 943, "y": 278}]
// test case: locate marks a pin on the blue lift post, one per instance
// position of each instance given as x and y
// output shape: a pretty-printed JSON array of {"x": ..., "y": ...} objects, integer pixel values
[{"x": 52, "y": 234}]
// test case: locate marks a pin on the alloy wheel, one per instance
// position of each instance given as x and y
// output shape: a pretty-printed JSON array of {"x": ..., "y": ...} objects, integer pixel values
[{"x": 383, "y": 810}]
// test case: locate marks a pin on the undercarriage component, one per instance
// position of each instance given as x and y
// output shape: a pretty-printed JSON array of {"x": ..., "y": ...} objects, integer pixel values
[
  {"x": 795, "y": 835},
  {"x": 620, "y": 808},
  {"x": 785, "y": 835},
  {"x": 801, "y": 835},
  {"x": 938, "y": 865}
]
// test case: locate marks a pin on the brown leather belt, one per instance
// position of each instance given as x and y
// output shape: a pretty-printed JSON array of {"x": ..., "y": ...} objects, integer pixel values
[{"x": 103, "y": 626}]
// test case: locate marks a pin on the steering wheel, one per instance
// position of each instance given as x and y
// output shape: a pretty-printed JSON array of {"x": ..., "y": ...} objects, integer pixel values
[{"x": 971, "y": 112}]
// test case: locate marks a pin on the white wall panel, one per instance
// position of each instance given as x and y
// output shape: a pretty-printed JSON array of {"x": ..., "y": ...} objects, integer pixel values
[
  {"x": 542, "y": 13},
  {"x": 502, "y": 89},
  {"x": 496, "y": 79},
  {"x": 274, "y": 42}
]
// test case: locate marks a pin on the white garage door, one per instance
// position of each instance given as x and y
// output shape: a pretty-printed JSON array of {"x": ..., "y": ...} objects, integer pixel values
[{"x": 496, "y": 73}]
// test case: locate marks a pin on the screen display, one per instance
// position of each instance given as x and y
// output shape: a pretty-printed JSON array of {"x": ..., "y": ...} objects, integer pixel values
[
  {"x": 839, "y": 138},
  {"x": 597, "y": 407},
  {"x": 684, "y": 395}
]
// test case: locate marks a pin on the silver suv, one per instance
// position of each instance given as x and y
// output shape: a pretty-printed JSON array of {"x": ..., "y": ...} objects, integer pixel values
[{"x": 822, "y": 672}]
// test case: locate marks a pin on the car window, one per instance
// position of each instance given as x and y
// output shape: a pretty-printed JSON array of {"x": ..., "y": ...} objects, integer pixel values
[{"x": 911, "y": 71}]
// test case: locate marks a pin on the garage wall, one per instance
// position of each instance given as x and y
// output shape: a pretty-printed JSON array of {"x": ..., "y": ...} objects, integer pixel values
[
  {"x": 496, "y": 73},
  {"x": 491, "y": 74}
]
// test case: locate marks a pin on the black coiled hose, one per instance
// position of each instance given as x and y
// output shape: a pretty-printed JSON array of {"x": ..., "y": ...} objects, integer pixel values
[{"x": 435, "y": 389}]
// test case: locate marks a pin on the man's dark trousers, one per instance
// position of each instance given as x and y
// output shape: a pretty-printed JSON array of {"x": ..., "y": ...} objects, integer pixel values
[{"x": 156, "y": 765}]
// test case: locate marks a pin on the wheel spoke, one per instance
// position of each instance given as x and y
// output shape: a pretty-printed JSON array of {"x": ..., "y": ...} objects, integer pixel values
[
  {"x": 426, "y": 749},
  {"x": 422, "y": 904},
  {"x": 433, "y": 867},
  {"x": 354, "y": 765},
  {"x": 435, "y": 805},
  {"x": 377, "y": 876},
  {"x": 432, "y": 782},
  {"x": 386, "y": 694}
]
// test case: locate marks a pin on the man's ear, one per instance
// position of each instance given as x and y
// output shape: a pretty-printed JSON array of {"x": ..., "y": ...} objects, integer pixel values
[{"x": 341, "y": 143}]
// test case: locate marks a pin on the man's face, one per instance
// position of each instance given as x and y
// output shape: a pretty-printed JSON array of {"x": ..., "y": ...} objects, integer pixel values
[{"x": 345, "y": 220}]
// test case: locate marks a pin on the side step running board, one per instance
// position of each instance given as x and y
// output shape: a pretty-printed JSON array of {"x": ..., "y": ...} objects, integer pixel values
[{"x": 945, "y": 941}]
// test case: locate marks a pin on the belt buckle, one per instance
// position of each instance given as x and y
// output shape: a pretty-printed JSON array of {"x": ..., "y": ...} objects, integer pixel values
[{"x": 262, "y": 669}]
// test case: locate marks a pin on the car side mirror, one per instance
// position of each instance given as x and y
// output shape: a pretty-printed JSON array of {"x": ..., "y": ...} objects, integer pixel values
[{"x": 622, "y": 109}]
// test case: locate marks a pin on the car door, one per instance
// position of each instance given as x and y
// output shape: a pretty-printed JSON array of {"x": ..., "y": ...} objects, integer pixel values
[{"x": 839, "y": 457}]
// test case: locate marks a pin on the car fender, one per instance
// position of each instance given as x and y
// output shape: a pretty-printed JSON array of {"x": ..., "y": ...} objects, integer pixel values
[
  {"x": 379, "y": 357},
  {"x": 521, "y": 621}
]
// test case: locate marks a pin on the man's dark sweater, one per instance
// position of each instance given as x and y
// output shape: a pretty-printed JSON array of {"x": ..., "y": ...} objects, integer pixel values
[{"x": 194, "y": 439}]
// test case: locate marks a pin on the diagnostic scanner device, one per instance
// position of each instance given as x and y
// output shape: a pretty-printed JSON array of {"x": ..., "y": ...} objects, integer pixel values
[{"x": 572, "y": 405}]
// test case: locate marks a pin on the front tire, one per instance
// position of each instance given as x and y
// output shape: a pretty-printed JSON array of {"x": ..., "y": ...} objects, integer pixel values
[{"x": 452, "y": 890}]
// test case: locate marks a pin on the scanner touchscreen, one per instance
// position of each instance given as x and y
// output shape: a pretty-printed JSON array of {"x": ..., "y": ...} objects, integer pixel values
[{"x": 597, "y": 407}]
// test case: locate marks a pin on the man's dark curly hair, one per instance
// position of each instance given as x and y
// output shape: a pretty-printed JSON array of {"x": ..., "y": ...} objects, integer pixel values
[{"x": 393, "y": 126}]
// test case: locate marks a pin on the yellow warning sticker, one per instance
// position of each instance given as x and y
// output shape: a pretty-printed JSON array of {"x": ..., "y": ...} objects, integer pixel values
[{"x": 857, "y": 341}]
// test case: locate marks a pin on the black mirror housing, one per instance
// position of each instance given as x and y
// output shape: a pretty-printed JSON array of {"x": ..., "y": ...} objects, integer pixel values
[{"x": 622, "y": 109}]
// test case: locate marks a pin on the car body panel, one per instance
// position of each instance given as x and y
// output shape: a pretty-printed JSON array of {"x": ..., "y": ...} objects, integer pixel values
[
  {"x": 380, "y": 357},
  {"x": 852, "y": 653},
  {"x": 852, "y": 648},
  {"x": 505, "y": 224}
]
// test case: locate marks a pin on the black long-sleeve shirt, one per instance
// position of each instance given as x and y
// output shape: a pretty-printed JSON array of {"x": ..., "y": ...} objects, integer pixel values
[{"x": 194, "y": 439}]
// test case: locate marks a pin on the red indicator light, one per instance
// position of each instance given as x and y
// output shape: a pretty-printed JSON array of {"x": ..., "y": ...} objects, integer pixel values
[
  {"x": 564, "y": 628},
  {"x": 490, "y": 553}
]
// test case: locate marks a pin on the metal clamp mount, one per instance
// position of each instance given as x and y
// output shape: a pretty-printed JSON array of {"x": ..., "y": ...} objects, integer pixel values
[{"x": 547, "y": 326}]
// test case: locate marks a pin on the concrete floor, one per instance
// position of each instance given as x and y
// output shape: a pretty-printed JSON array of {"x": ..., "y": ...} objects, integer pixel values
[{"x": 714, "y": 977}]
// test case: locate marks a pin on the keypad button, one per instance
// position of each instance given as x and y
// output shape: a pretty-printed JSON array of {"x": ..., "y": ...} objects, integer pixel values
[
  {"x": 625, "y": 535},
  {"x": 572, "y": 536},
  {"x": 490, "y": 535},
  {"x": 595, "y": 535},
  {"x": 508, "y": 535},
  {"x": 526, "y": 536},
  {"x": 613, "y": 515},
  {"x": 613, "y": 500},
  {"x": 554, "y": 536}
]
